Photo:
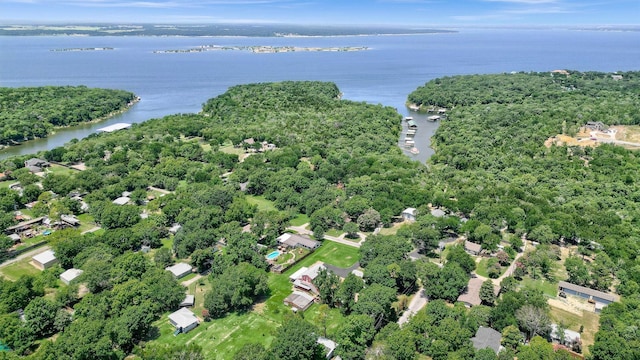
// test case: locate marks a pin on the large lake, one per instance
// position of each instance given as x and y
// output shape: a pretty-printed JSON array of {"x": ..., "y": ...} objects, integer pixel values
[{"x": 392, "y": 68}]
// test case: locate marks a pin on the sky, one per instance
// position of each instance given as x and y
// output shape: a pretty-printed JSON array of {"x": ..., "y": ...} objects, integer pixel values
[{"x": 328, "y": 12}]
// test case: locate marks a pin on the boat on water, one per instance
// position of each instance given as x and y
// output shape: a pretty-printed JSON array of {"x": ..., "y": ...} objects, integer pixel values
[
  {"x": 408, "y": 118},
  {"x": 414, "y": 151}
]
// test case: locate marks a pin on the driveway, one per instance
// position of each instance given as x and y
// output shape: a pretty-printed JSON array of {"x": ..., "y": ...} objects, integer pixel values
[{"x": 417, "y": 303}]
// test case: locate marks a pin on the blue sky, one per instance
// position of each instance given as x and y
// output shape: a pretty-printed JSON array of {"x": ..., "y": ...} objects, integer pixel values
[{"x": 335, "y": 12}]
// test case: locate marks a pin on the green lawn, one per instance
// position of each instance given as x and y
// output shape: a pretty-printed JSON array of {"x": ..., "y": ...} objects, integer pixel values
[
  {"x": 58, "y": 170},
  {"x": 5, "y": 184},
  {"x": 19, "y": 268},
  {"x": 262, "y": 203},
  {"x": 87, "y": 222},
  {"x": 300, "y": 220},
  {"x": 482, "y": 266},
  {"x": 221, "y": 338},
  {"x": 334, "y": 232},
  {"x": 230, "y": 149},
  {"x": 548, "y": 288}
]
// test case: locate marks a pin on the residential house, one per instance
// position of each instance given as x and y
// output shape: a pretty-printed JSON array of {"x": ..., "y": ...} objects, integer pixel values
[
  {"x": 303, "y": 279},
  {"x": 180, "y": 270},
  {"x": 70, "y": 220},
  {"x": 570, "y": 337},
  {"x": 296, "y": 241},
  {"x": 299, "y": 301},
  {"x": 184, "y": 320},
  {"x": 487, "y": 338},
  {"x": 44, "y": 260},
  {"x": 471, "y": 296},
  {"x": 596, "y": 125},
  {"x": 409, "y": 214},
  {"x": 122, "y": 200},
  {"x": 68, "y": 276},
  {"x": 472, "y": 248},
  {"x": 36, "y": 165}
]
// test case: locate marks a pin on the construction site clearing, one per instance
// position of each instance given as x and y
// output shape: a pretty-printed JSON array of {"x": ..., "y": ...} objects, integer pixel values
[{"x": 627, "y": 136}]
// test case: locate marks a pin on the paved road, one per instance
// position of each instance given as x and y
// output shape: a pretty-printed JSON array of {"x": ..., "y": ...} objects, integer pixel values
[
  {"x": 417, "y": 303},
  {"x": 28, "y": 254}
]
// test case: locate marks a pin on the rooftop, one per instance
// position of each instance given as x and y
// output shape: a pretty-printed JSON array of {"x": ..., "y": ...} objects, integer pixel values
[
  {"x": 114, "y": 127},
  {"x": 183, "y": 318},
  {"x": 487, "y": 338},
  {"x": 179, "y": 269},
  {"x": 588, "y": 291},
  {"x": 45, "y": 257},
  {"x": 294, "y": 240},
  {"x": 70, "y": 274}
]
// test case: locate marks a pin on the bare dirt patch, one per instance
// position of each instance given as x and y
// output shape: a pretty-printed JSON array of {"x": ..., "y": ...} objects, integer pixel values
[{"x": 258, "y": 308}]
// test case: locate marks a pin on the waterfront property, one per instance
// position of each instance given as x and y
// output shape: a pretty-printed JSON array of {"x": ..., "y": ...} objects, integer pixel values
[{"x": 114, "y": 127}]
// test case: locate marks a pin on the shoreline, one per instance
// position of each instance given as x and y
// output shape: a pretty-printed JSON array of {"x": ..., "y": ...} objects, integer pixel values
[{"x": 94, "y": 121}]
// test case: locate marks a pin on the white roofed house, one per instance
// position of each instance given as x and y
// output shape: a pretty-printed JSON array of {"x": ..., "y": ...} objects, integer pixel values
[
  {"x": 296, "y": 241},
  {"x": 180, "y": 270},
  {"x": 184, "y": 320},
  {"x": 44, "y": 260},
  {"x": 68, "y": 276},
  {"x": 409, "y": 214}
]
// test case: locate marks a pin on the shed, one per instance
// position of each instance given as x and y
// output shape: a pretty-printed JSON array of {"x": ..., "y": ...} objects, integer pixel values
[
  {"x": 299, "y": 301},
  {"x": 68, "y": 276},
  {"x": 44, "y": 260},
  {"x": 14, "y": 237},
  {"x": 188, "y": 301},
  {"x": 184, "y": 320},
  {"x": 409, "y": 214},
  {"x": 487, "y": 338},
  {"x": 180, "y": 270}
]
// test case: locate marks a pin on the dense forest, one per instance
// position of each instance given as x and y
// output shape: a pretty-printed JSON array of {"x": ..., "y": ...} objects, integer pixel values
[
  {"x": 491, "y": 164},
  {"x": 33, "y": 112},
  {"x": 309, "y": 154}
]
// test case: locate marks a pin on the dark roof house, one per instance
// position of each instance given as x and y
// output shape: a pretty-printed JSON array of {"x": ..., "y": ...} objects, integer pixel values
[{"x": 487, "y": 338}]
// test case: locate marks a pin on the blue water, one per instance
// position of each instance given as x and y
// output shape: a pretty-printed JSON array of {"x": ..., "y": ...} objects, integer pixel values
[
  {"x": 272, "y": 255},
  {"x": 386, "y": 74}
]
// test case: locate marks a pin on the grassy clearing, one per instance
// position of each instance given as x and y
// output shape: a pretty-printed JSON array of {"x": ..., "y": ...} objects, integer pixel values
[
  {"x": 228, "y": 148},
  {"x": 300, "y": 220},
  {"x": 590, "y": 321},
  {"x": 60, "y": 170},
  {"x": 550, "y": 289},
  {"x": 262, "y": 203},
  {"x": 19, "y": 268},
  {"x": 87, "y": 222},
  {"x": 334, "y": 232},
  {"x": 5, "y": 184},
  {"x": 221, "y": 338}
]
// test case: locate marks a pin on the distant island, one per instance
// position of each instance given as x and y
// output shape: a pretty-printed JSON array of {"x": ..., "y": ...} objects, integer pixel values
[
  {"x": 84, "y": 49},
  {"x": 248, "y": 30},
  {"x": 263, "y": 49}
]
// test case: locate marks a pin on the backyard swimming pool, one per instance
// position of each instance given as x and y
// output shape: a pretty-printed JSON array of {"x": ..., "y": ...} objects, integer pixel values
[{"x": 273, "y": 255}]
